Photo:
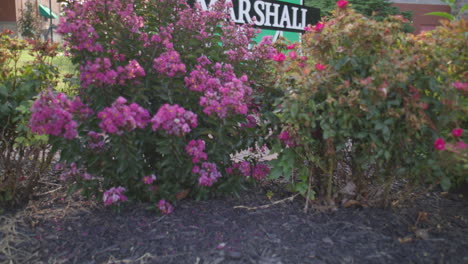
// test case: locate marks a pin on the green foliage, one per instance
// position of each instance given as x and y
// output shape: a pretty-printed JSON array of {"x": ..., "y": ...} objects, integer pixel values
[
  {"x": 24, "y": 157},
  {"x": 29, "y": 22},
  {"x": 375, "y": 9},
  {"x": 375, "y": 109},
  {"x": 452, "y": 4}
]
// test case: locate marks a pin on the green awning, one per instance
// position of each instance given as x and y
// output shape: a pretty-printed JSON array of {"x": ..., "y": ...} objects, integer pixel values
[{"x": 45, "y": 12}]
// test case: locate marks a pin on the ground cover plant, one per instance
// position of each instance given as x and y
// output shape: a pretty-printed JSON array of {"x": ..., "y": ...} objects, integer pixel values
[
  {"x": 168, "y": 93},
  {"x": 366, "y": 106}
]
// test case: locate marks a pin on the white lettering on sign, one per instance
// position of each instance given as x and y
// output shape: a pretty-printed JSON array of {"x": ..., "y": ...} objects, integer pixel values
[{"x": 268, "y": 14}]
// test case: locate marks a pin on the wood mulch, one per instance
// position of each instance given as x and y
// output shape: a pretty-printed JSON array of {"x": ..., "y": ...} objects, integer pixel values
[{"x": 54, "y": 229}]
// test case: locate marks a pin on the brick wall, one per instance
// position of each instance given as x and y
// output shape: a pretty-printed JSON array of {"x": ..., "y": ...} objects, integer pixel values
[
  {"x": 422, "y": 22},
  {"x": 7, "y": 10}
]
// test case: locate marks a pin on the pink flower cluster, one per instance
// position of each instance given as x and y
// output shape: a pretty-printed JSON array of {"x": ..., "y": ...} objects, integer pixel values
[
  {"x": 223, "y": 92},
  {"x": 100, "y": 73},
  {"x": 95, "y": 141},
  {"x": 250, "y": 122},
  {"x": 286, "y": 139},
  {"x": 208, "y": 172},
  {"x": 80, "y": 16},
  {"x": 80, "y": 110},
  {"x": 342, "y": 3},
  {"x": 461, "y": 86},
  {"x": 174, "y": 119},
  {"x": 165, "y": 207},
  {"x": 169, "y": 63},
  {"x": 120, "y": 117},
  {"x": 258, "y": 171},
  {"x": 440, "y": 143},
  {"x": 53, "y": 115},
  {"x": 195, "y": 149},
  {"x": 114, "y": 196},
  {"x": 320, "y": 67},
  {"x": 72, "y": 172},
  {"x": 149, "y": 179},
  {"x": 279, "y": 57},
  {"x": 264, "y": 50},
  {"x": 237, "y": 39}
]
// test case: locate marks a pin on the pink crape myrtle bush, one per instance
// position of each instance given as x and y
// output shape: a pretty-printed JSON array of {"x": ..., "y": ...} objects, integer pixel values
[{"x": 166, "y": 89}]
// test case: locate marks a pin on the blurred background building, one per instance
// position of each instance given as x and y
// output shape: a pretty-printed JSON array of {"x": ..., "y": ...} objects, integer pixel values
[
  {"x": 41, "y": 12},
  {"x": 422, "y": 22}
]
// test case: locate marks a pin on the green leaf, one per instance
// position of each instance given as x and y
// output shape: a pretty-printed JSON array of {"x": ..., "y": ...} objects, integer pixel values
[
  {"x": 341, "y": 63},
  {"x": 465, "y": 7},
  {"x": 3, "y": 90},
  {"x": 387, "y": 155},
  {"x": 5, "y": 108},
  {"x": 294, "y": 109},
  {"x": 275, "y": 173},
  {"x": 440, "y": 14}
]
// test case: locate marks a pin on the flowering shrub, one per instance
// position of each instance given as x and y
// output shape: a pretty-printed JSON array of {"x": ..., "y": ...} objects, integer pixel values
[
  {"x": 370, "y": 100},
  {"x": 184, "y": 71},
  {"x": 24, "y": 157}
]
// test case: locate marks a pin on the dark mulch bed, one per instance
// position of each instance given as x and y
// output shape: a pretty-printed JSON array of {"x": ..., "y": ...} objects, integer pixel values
[{"x": 57, "y": 230}]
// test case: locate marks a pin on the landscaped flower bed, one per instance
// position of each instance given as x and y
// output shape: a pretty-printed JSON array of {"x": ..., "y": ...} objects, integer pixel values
[{"x": 358, "y": 114}]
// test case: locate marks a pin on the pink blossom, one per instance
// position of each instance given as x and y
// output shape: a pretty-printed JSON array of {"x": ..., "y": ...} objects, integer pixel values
[
  {"x": 149, "y": 179},
  {"x": 320, "y": 67},
  {"x": 462, "y": 86},
  {"x": 169, "y": 63},
  {"x": 439, "y": 144},
  {"x": 457, "y": 132},
  {"x": 292, "y": 55},
  {"x": 279, "y": 57},
  {"x": 292, "y": 46},
  {"x": 53, "y": 115},
  {"x": 208, "y": 172},
  {"x": 195, "y": 149},
  {"x": 68, "y": 172},
  {"x": 223, "y": 92},
  {"x": 165, "y": 207},
  {"x": 251, "y": 122},
  {"x": 461, "y": 145},
  {"x": 287, "y": 139},
  {"x": 78, "y": 24},
  {"x": 174, "y": 119},
  {"x": 121, "y": 117},
  {"x": 95, "y": 141},
  {"x": 101, "y": 72},
  {"x": 342, "y": 3},
  {"x": 318, "y": 27},
  {"x": 456, "y": 147},
  {"x": 258, "y": 171},
  {"x": 114, "y": 196}
]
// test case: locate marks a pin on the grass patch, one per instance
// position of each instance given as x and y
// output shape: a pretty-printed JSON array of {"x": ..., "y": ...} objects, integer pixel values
[{"x": 63, "y": 64}]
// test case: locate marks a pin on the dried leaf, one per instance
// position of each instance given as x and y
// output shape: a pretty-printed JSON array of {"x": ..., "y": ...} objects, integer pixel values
[
  {"x": 350, "y": 203},
  {"x": 405, "y": 239}
]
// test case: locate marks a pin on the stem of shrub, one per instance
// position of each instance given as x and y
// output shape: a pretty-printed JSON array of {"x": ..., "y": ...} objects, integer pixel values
[{"x": 311, "y": 173}]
